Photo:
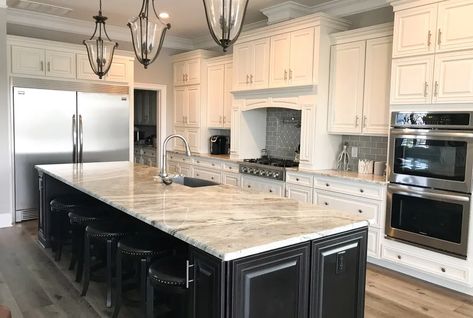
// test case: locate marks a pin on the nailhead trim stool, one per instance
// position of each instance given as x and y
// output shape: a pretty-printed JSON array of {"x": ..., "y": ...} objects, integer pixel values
[
  {"x": 142, "y": 248},
  {"x": 108, "y": 233},
  {"x": 79, "y": 220},
  {"x": 167, "y": 275}
]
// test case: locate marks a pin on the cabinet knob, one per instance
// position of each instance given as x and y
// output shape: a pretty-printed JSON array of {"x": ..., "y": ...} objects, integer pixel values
[
  {"x": 327, "y": 185},
  {"x": 212, "y": 178},
  {"x": 399, "y": 257},
  {"x": 360, "y": 211},
  {"x": 198, "y": 161},
  {"x": 443, "y": 269},
  {"x": 326, "y": 203},
  {"x": 213, "y": 164},
  {"x": 249, "y": 186},
  {"x": 230, "y": 168},
  {"x": 197, "y": 174},
  {"x": 362, "y": 191},
  {"x": 297, "y": 179},
  {"x": 270, "y": 190}
]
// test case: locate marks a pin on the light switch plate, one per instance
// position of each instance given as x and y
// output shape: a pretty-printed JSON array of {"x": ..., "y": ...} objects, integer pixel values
[{"x": 354, "y": 152}]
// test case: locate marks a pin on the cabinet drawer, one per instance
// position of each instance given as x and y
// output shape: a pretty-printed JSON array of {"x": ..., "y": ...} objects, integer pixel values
[
  {"x": 207, "y": 163},
  {"x": 299, "y": 178},
  {"x": 180, "y": 158},
  {"x": 173, "y": 167},
  {"x": 230, "y": 166},
  {"x": 369, "y": 208},
  {"x": 229, "y": 178},
  {"x": 361, "y": 189},
  {"x": 432, "y": 265},
  {"x": 207, "y": 174},
  {"x": 149, "y": 152},
  {"x": 373, "y": 242},
  {"x": 263, "y": 186},
  {"x": 185, "y": 170},
  {"x": 299, "y": 193}
]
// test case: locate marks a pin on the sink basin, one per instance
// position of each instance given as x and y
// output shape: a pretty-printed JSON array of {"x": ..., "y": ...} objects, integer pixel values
[{"x": 193, "y": 182}]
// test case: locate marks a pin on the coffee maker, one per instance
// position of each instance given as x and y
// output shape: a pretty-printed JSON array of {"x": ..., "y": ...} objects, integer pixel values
[{"x": 219, "y": 145}]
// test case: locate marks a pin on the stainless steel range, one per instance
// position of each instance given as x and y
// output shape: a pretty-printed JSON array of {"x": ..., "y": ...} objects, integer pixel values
[{"x": 271, "y": 168}]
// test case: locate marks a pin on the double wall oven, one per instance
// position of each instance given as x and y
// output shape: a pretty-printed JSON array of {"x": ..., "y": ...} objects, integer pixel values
[{"x": 430, "y": 175}]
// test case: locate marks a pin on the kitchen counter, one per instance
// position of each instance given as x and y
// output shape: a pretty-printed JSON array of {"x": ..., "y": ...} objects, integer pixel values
[
  {"x": 224, "y": 221},
  {"x": 350, "y": 175},
  {"x": 208, "y": 156}
]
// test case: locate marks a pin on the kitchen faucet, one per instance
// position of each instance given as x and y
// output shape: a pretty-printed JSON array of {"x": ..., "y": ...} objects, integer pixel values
[{"x": 163, "y": 173}]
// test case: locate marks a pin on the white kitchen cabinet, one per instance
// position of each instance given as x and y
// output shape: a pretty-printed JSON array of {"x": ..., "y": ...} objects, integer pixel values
[
  {"x": 291, "y": 58},
  {"x": 41, "y": 62},
  {"x": 178, "y": 144},
  {"x": 192, "y": 135},
  {"x": 84, "y": 70},
  {"x": 187, "y": 72},
  {"x": 299, "y": 193},
  {"x": 121, "y": 70},
  {"x": 219, "y": 96},
  {"x": 347, "y": 73},
  {"x": 232, "y": 179},
  {"x": 439, "y": 27},
  {"x": 257, "y": 184},
  {"x": 187, "y": 101},
  {"x": 300, "y": 179},
  {"x": 185, "y": 170},
  {"x": 251, "y": 65},
  {"x": 207, "y": 174}
]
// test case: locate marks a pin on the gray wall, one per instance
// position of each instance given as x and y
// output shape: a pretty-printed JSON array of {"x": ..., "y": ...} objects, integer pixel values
[
  {"x": 378, "y": 16},
  {"x": 6, "y": 204},
  {"x": 283, "y": 132},
  {"x": 372, "y": 148}
]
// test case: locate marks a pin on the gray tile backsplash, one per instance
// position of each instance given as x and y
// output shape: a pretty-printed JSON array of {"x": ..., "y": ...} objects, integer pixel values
[
  {"x": 372, "y": 148},
  {"x": 283, "y": 132}
]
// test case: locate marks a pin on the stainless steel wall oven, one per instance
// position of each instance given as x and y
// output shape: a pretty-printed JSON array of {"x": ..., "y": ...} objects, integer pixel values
[{"x": 430, "y": 174}]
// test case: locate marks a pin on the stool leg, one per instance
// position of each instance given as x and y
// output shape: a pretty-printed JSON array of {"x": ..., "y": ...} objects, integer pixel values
[
  {"x": 80, "y": 256},
  {"x": 109, "y": 273},
  {"x": 150, "y": 299},
  {"x": 144, "y": 262},
  {"x": 86, "y": 278},
  {"x": 74, "y": 247},
  {"x": 118, "y": 291},
  {"x": 62, "y": 233}
]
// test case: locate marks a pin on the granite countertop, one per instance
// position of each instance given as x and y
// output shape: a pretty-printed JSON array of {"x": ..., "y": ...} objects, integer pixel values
[
  {"x": 350, "y": 175},
  {"x": 224, "y": 221},
  {"x": 208, "y": 156}
]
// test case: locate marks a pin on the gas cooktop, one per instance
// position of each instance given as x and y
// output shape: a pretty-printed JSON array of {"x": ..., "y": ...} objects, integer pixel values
[
  {"x": 271, "y": 168},
  {"x": 275, "y": 162}
]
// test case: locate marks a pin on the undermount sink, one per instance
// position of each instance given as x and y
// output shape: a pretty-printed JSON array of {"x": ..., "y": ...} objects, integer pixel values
[{"x": 193, "y": 182}]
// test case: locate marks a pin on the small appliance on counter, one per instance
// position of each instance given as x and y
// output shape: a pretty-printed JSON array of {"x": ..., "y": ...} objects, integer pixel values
[{"x": 219, "y": 145}]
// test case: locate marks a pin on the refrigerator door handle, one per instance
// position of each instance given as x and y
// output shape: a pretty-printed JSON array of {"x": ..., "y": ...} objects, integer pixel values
[
  {"x": 81, "y": 139},
  {"x": 74, "y": 140}
]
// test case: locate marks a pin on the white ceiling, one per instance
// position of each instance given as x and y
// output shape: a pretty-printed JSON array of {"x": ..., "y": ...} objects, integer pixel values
[{"x": 187, "y": 17}]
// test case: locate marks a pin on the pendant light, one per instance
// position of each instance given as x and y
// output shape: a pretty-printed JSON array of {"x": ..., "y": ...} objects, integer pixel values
[
  {"x": 147, "y": 36},
  {"x": 225, "y": 20},
  {"x": 100, "y": 51}
]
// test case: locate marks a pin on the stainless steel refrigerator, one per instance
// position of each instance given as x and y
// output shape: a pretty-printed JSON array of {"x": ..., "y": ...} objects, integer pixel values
[{"x": 64, "y": 126}]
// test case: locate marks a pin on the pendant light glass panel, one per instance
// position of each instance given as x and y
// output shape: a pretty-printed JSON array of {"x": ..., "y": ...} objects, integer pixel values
[{"x": 100, "y": 53}]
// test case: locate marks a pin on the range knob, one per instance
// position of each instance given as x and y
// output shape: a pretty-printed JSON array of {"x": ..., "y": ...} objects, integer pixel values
[
  {"x": 244, "y": 169},
  {"x": 276, "y": 175},
  {"x": 263, "y": 172},
  {"x": 256, "y": 171},
  {"x": 269, "y": 173}
]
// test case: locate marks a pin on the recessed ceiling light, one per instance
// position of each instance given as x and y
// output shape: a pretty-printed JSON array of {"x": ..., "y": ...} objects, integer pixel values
[{"x": 164, "y": 15}]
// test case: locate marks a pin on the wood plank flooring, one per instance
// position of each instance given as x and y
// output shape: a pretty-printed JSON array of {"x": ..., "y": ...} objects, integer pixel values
[{"x": 32, "y": 286}]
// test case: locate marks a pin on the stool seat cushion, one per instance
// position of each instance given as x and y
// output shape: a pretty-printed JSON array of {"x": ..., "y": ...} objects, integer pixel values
[
  {"x": 67, "y": 203},
  {"x": 86, "y": 215},
  {"x": 108, "y": 230},
  {"x": 142, "y": 245},
  {"x": 169, "y": 270}
]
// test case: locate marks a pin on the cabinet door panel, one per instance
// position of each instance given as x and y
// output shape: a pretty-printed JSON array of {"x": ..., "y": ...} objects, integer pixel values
[
  {"x": 455, "y": 25},
  {"x": 273, "y": 285},
  {"x": 411, "y": 80},
  {"x": 28, "y": 61},
  {"x": 299, "y": 193},
  {"x": 193, "y": 138},
  {"x": 260, "y": 64},
  {"x": 119, "y": 71},
  {"x": 215, "y": 95},
  {"x": 229, "y": 178},
  {"x": 338, "y": 277},
  {"x": 228, "y": 96},
  {"x": 302, "y": 57},
  {"x": 193, "y": 110},
  {"x": 279, "y": 60},
  {"x": 377, "y": 84},
  {"x": 307, "y": 133},
  {"x": 242, "y": 63},
  {"x": 178, "y": 144},
  {"x": 453, "y": 77},
  {"x": 415, "y": 31},
  {"x": 235, "y": 131},
  {"x": 180, "y": 103},
  {"x": 347, "y": 72},
  {"x": 60, "y": 64},
  {"x": 193, "y": 72},
  {"x": 84, "y": 70},
  {"x": 179, "y": 73}
]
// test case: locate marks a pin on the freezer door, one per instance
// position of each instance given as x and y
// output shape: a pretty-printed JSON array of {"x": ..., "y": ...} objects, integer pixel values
[
  {"x": 103, "y": 127},
  {"x": 42, "y": 135}
]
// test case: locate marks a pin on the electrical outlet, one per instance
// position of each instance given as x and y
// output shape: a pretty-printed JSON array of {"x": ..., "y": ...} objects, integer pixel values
[{"x": 354, "y": 152}]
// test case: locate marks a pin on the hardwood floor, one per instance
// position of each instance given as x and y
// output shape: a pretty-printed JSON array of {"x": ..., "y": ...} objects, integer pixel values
[{"x": 32, "y": 286}]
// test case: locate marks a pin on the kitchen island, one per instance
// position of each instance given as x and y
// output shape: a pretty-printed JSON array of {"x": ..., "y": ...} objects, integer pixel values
[{"x": 253, "y": 255}]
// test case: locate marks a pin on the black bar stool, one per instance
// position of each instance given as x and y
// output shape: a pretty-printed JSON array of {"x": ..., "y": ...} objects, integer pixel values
[
  {"x": 60, "y": 226},
  {"x": 108, "y": 233},
  {"x": 168, "y": 276},
  {"x": 143, "y": 249},
  {"x": 79, "y": 220}
]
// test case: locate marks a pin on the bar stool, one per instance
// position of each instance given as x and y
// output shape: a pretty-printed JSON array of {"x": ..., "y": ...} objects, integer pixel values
[
  {"x": 5, "y": 312},
  {"x": 167, "y": 275},
  {"x": 79, "y": 220},
  {"x": 143, "y": 249},
  {"x": 60, "y": 226},
  {"x": 108, "y": 233}
]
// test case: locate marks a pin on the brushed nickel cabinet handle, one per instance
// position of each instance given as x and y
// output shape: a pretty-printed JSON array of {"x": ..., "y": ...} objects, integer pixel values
[
  {"x": 188, "y": 280},
  {"x": 290, "y": 74},
  {"x": 49, "y": 66},
  {"x": 364, "y": 121},
  {"x": 220, "y": 120},
  {"x": 251, "y": 78},
  {"x": 439, "y": 40},
  {"x": 224, "y": 119},
  {"x": 183, "y": 78},
  {"x": 429, "y": 38},
  {"x": 357, "y": 119},
  {"x": 247, "y": 79},
  {"x": 436, "y": 89},
  {"x": 42, "y": 65},
  {"x": 426, "y": 87},
  {"x": 285, "y": 75}
]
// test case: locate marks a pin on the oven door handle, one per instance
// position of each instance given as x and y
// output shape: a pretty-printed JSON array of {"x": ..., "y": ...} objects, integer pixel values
[
  {"x": 406, "y": 190},
  {"x": 430, "y": 133}
]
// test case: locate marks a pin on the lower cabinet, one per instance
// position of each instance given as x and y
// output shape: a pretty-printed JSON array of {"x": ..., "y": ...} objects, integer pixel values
[
  {"x": 324, "y": 278},
  {"x": 257, "y": 184},
  {"x": 299, "y": 193},
  {"x": 208, "y": 174}
]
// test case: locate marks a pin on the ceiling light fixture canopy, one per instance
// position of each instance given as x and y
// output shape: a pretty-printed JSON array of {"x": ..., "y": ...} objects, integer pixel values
[
  {"x": 225, "y": 20},
  {"x": 100, "y": 50},
  {"x": 147, "y": 36}
]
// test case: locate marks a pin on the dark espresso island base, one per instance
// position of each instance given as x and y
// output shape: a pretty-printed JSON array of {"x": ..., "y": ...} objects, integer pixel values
[{"x": 234, "y": 272}]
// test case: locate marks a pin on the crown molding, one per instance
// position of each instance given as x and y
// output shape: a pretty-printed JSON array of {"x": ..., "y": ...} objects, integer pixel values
[
  {"x": 343, "y": 8},
  {"x": 69, "y": 25},
  {"x": 3, "y": 4},
  {"x": 285, "y": 11}
]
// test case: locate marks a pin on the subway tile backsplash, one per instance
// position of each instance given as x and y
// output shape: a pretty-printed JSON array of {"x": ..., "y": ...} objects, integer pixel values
[
  {"x": 283, "y": 132},
  {"x": 372, "y": 148}
]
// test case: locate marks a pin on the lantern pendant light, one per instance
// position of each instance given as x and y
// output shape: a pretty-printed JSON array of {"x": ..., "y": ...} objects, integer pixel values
[
  {"x": 225, "y": 20},
  {"x": 147, "y": 36},
  {"x": 100, "y": 51}
]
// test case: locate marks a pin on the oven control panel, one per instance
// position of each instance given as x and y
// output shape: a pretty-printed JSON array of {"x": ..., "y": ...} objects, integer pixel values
[
  {"x": 457, "y": 120},
  {"x": 274, "y": 173}
]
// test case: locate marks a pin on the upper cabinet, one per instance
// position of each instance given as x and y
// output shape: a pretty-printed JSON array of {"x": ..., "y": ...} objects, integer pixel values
[
  {"x": 360, "y": 81},
  {"x": 219, "y": 97},
  {"x": 187, "y": 72},
  {"x": 251, "y": 61},
  {"x": 438, "y": 27}
]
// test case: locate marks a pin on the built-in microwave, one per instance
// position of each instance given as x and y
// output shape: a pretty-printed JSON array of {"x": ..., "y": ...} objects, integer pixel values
[{"x": 430, "y": 218}]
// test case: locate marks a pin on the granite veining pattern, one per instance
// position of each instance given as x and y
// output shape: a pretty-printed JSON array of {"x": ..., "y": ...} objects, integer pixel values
[
  {"x": 349, "y": 175},
  {"x": 224, "y": 221}
]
